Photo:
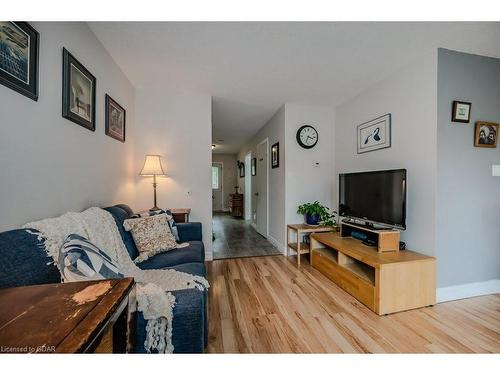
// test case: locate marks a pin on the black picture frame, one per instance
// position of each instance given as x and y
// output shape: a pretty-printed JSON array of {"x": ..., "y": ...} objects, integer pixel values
[
  {"x": 241, "y": 167},
  {"x": 29, "y": 86},
  {"x": 458, "y": 105},
  {"x": 254, "y": 167},
  {"x": 275, "y": 155},
  {"x": 110, "y": 105},
  {"x": 85, "y": 120}
]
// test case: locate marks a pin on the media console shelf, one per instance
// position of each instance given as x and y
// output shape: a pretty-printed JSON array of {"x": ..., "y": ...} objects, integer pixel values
[
  {"x": 384, "y": 282},
  {"x": 385, "y": 239}
]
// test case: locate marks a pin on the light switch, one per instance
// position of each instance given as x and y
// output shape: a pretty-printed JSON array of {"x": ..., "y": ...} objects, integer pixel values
[{"x": 495, "y": 170}]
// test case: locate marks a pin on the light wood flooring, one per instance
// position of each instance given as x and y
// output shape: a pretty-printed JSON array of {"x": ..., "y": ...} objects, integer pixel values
[{"x": 268, "y": 305}]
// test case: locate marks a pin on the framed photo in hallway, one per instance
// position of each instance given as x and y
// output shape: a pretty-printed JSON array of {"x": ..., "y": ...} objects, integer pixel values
[
  {"x": 115, "y": 119},
  {"x": 254, "y": 167},
  {"x": 241, "y": 167},
  {"x": 78, "y": 102},
  {"x": 486, "y": 134},
  {"x": 375, "y": 134},
  {"x": 19, "y": 58},
  {"x": 275, "y": 155},
  {"x": 461, "y": 111}
]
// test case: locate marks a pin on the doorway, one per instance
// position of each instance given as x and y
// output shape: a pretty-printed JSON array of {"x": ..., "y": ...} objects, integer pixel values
[{"x": 217, "y": 188}]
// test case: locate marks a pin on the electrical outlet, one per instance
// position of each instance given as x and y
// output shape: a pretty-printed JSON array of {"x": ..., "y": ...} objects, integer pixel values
[{"x": 495, "y": 170}]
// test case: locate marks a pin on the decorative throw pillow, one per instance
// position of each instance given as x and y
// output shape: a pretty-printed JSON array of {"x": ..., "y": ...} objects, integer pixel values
[
  {"x": 151, "y": 235},
  {"x": 80, "y": 260},
  {"x": 171, "y": 221}
]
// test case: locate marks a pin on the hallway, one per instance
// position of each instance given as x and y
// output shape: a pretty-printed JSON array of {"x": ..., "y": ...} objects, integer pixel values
[{"x": 236, "y": 238}]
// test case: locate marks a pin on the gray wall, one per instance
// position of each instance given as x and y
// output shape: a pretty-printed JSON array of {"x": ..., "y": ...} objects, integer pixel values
[
  {"x": 468, "y": 204},
  {"x": 49, "y": 165}
]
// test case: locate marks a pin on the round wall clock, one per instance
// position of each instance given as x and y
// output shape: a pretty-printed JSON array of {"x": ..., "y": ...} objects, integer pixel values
[{"x": 307, "y": 136}]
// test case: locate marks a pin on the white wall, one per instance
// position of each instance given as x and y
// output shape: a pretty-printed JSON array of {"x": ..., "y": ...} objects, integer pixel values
[
  {"x": 229, "y": 176},
  {"x": 50, "y": 165},
  {"x": 274, "y": 130},
  {"x": 179, "y": 128},
  {"x": 410, "y": 96},
  {"x": 306, "y": 182}
]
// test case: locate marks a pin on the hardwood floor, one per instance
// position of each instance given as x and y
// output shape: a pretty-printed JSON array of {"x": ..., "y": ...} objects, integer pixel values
[{"x": 268, "y": 305}]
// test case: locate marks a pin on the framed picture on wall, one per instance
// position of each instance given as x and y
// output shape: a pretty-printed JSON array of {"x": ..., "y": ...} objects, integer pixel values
[
  {"x": 460, "y": 111},
  {"x": 486, "y": 134},
  {"x": 241, "y": 167},
  {"x": 115, "y": 119},
  {"x": 275, "y": 155},
  {"x": 78, "y": 104},
  {"x": 375, "y": 134},
  {"x": 19, "y": 58},
  {"x": 254, "y": 167}
]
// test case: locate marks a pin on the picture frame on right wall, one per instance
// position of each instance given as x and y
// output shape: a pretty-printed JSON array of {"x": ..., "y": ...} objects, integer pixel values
[
  {"x": 275, "y": 155},
  {"x": 486, "y": 134},
  {"x": 460, "y": 111}
]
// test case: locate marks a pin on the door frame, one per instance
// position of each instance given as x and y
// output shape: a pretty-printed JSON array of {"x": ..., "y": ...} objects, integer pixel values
[
  {"x": 248, "y": 189},
  {"x": 266, "y": 141},
  {"x": 221, "y": 184}
]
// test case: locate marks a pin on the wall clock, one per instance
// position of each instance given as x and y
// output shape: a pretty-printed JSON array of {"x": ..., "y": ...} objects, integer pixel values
[{"x": 307, "y": 136}]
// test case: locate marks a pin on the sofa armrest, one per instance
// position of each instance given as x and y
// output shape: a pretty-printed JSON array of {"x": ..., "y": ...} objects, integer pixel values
[{"x": 189, "y": 231}]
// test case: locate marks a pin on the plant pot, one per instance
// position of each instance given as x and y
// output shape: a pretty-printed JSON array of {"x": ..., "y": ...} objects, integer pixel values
[{"x": 312, "y": 219}]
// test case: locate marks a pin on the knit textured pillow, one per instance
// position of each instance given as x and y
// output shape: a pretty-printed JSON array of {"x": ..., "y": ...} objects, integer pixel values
[
  {"x": 171, "y": 221},
  {"x": 151, "y": 235},
  {"x": 81, "y": 260}
]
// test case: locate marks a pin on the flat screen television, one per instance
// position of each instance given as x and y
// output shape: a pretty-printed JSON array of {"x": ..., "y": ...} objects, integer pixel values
[{"x": 374, "y": 197}]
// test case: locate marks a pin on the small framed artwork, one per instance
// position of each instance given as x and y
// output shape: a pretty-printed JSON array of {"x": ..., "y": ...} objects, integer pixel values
[
  {"x": 241, "y": 167},
  {"x": 78, "y": 102},
  {"x": 460, "y": 111},
  {"x": 19, "y": 58},
  {"x": 115, "y": 119},
  {"x": 486, "y": 134},
  {"x": 375, "y": 134},
  {"x": 254, "y": 167},
  {"x": 275, "y": 155}
]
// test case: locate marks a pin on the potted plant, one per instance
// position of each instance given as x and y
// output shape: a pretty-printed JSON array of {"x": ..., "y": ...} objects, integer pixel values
[{"x": 315, "y": 214}]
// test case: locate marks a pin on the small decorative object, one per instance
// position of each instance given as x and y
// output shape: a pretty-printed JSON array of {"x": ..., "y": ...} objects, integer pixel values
[
  {"x": 275, "y": 155},
  {"x": 307, "y": 136},
  {"x": 315, "y": 214},
  {"x": 241, "y": 168},
  {"x": 19, "y": 58},
  {"x": 152, "y": 167},
  {"x": 236, "y": 190},
  {"x": 486, "y": 134},
  {"x": 254, "y": 167},
  {"x": 461, "y": 111},
  {"x": 375, "y": 134},
  {"x": 115, "y": 119},
  {"x": 78, "y": 92}
]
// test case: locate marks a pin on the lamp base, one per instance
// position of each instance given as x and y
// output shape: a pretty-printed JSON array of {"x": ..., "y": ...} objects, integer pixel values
[{"x": 155, "y": 208}]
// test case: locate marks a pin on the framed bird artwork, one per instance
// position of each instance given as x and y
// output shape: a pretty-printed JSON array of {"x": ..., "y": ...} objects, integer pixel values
[{"x": 375, "y": 134}]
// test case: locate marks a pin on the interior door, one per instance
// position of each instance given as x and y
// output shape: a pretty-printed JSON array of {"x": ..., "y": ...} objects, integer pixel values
[
  {"x": 217, "y": 202},
  {"x": 261, "y": 188}
]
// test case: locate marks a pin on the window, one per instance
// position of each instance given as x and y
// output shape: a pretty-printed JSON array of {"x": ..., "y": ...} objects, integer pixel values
[{"x": 215, "y": 177}]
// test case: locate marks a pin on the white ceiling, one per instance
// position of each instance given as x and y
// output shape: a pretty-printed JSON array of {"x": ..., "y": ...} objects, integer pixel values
[{"x": 252, "y": 68}]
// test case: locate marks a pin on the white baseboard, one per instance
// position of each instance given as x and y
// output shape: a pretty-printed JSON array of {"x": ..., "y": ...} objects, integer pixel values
[
  {"x": 455, "y": 292},
  {"x": 276, "y": 244}
]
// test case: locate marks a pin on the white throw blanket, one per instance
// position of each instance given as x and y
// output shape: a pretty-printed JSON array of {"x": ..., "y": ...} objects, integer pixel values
[{"x": 154, "y": 299}]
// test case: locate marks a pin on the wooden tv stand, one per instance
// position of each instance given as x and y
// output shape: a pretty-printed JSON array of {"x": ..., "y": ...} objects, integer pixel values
[{"x": 384, "y": 282}]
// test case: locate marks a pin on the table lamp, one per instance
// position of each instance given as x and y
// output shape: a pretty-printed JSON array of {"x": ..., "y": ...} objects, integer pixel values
[{"x": 152, "y": 167}]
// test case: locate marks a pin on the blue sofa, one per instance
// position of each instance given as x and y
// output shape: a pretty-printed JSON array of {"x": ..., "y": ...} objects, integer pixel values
[{"x": 24, "y": 262}]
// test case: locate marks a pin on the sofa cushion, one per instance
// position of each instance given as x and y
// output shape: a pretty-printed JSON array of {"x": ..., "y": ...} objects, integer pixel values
[
  {"x": 81, "y": 260},
  {"x": 24, "y": 260},
  {"x": 120, "y": 215},
  {"x": 197, "y": 269},
  {"x": 194, "y": 253}
]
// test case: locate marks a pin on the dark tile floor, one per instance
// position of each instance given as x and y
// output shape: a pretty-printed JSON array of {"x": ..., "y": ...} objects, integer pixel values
[{"x": 236, "y": 238}]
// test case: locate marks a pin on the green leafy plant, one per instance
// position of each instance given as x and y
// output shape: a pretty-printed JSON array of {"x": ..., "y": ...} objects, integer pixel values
[{"x": 326, "y": 216}]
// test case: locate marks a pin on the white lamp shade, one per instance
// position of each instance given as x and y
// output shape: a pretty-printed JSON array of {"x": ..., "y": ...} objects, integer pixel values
[{"x": 152, "y": 166}]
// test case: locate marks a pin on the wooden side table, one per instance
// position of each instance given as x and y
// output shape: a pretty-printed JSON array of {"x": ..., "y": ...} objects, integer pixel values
[
  {"x": 79, "y": 317},
  {"x": 180, "y": 215},
  {"x": 299, "y": 245}
]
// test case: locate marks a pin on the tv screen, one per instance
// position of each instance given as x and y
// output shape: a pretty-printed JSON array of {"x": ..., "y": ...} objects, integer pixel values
[{"x": 378, "y": 196}]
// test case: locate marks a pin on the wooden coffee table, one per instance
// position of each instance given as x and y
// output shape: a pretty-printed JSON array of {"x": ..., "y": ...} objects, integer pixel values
[
  {"x": 80, "y": 317},
  {"x": 296, "y": 243}
]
